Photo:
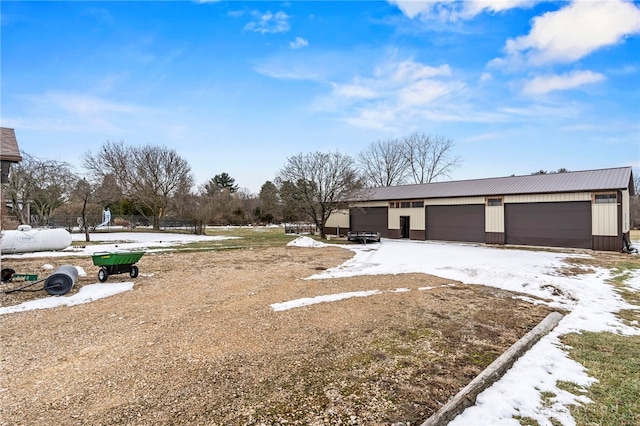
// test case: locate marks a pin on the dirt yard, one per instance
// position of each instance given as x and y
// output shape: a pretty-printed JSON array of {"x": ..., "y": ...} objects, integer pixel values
[{"x": 196, "y": 342}]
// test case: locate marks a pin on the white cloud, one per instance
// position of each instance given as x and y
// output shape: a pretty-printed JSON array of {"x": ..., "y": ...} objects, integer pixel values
[
  {"x": 379, "y": 118},
  {"x": 86, "y": 105},
  {"x": 298, "y": 43},
  {"x": 453, "y": 10},
  {"x": 353, "y": 91},
  {"x": 483, "y": 137},
  {"x": 485, "y": 77},
  {"x": 575, "y": 31},
  {"x": 423, "y": 92},
  {"x": 549, "y": 83},
  {"x": 77, "y": 111},
  {"x": 413, "y": 9},
  {"x": 476, "y": 7},
  {"x": 407, "y": 71},
  {"x": 235, "y": 13},
  {"x": 394, "y": 91},
  {"x": 269, "y": 23}
]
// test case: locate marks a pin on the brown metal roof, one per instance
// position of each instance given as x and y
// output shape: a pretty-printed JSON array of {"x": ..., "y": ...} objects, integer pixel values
[
  {"x": 588, "y": 180},
  {"x": 9, "y": 150}
]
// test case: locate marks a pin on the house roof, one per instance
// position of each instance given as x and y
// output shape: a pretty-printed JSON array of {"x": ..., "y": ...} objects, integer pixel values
[
  {"x": 581, "y": 181},
  {"x": 9, "y": 150}
]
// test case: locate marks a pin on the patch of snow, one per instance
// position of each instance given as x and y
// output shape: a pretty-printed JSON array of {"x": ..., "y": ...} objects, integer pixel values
[
  {"x": 592, "y": 306},
  {"x": 306, "y": 242},
  {"x": 306, "y": 301},
  {"x": 86, "y": 294}
]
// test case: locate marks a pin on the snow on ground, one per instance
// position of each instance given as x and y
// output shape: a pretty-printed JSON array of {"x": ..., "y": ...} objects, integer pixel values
[
  {"x": 591, "y": 303},
  {"x": 86, "y": 294},
  {"x": 123, "y": 241}
]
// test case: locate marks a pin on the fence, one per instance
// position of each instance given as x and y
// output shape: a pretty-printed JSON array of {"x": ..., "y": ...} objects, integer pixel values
[
  {"x": 73, "y": 223},
  {"x": 300, "y": 228}
]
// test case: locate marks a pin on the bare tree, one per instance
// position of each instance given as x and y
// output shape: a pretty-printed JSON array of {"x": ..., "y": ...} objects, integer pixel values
[
  {"x": 38, "y": 187},
  {"x": 429, "y": 157},
  {"x": 149, "y": 175},
  {"x": 19, "y": 188},
  {"x": 84, "y": 191},
  {"x": 187, "y": 204},
  {"x": 384, "y": 163},
  {"x": 324, "y": 183}
]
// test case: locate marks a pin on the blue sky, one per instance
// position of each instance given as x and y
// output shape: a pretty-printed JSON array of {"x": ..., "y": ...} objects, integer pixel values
[{"x": 237, "y": 87}]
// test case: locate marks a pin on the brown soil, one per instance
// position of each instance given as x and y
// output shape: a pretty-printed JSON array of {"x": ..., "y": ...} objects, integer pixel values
[{"x": 196, "y": 342}]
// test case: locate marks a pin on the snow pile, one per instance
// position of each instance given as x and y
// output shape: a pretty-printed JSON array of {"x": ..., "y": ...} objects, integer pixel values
[
  {"x": 306, "y": 242},
  {"x": 81, "y": 271}
]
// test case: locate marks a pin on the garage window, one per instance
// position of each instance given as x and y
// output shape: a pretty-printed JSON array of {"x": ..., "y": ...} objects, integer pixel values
[
  {"x": 606, "y": 198},
  {"x": 494, "y": 202},
  {"x": 417, "y": 204}
]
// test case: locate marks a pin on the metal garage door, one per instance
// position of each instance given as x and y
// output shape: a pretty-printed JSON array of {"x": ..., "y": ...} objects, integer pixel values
[
  {"x": 456, "y": 223},
  {"x": 369, "y": 219},
  {"x": 549, "y": 224}
]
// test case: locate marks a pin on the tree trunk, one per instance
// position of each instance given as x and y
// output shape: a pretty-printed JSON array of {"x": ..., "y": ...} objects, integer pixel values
[{"x": 87, "y": 238}]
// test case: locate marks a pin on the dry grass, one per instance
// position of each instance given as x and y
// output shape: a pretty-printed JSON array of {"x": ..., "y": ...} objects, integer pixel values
[{"x": 197, "y": 343}]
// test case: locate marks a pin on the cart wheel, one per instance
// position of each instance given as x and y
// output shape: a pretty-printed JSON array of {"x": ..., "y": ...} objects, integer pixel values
[
  {"x": 134, "y": 271},
  {"x": 103, "y": 274}
]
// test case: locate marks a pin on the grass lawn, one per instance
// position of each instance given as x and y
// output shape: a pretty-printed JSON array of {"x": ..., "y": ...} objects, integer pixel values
[{"x": 614, "y": 360}]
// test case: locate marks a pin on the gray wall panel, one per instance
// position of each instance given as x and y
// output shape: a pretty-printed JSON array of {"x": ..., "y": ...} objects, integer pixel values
[
  {"x": 549, "y": 224},
  {"x": 456, "y": 223}
]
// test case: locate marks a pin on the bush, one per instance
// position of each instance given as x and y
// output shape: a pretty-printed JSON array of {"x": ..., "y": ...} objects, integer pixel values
[{"x": 119, "y": 221}]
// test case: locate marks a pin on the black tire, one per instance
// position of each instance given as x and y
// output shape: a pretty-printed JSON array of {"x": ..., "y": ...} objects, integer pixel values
[
  {"x": 134, "y": 271},
  {"x": 103, "y": 274}
]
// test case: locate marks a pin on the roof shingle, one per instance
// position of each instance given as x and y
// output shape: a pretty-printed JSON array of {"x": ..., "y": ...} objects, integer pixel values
[{"x": 9, "y": 150}]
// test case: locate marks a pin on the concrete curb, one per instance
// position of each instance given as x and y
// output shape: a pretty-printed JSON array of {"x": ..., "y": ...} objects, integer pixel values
[{"x": 467, "y": 396}]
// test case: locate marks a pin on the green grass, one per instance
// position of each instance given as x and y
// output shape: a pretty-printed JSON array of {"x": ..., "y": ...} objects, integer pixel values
[
  {"x": 622, "y": 272},
  {"x": 246, "y": 238},
  {"x": 612, "y": 359}
]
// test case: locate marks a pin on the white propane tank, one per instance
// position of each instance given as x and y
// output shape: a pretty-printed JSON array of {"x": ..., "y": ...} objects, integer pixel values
[{"x": 26, "y": 240}]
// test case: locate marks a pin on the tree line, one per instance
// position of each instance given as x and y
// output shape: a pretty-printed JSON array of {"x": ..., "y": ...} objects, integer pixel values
[{"x": 155, "y": 182}]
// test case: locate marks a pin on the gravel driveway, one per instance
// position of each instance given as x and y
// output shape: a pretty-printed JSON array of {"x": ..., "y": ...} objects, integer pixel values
[{"x": 196, "y": 342}]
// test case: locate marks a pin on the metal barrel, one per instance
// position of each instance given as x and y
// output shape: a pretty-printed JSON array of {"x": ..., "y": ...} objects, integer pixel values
[{"x": 61, "y": 281}]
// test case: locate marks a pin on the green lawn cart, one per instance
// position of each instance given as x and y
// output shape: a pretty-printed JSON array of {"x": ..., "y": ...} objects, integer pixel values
[{"x": 116, "y": 263}]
